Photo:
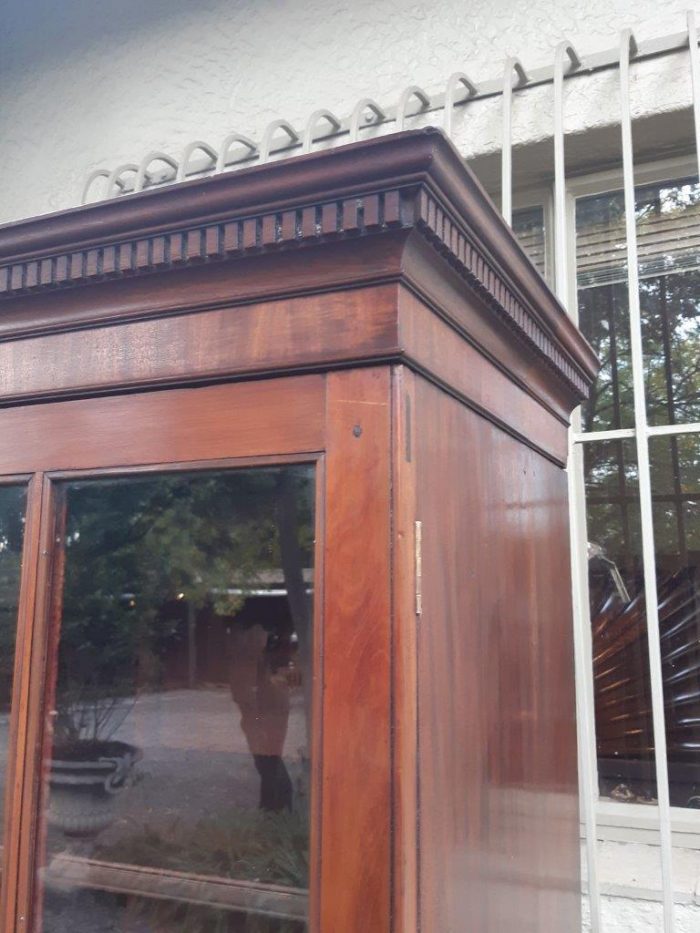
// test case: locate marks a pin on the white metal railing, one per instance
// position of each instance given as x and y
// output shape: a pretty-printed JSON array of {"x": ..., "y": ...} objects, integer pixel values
[
  {"x": 628, "y": 51},
  {"x": 628, "y": 48},
  {"x": 323, "y": 128}
]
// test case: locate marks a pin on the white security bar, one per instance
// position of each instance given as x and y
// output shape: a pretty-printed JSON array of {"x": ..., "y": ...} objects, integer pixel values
[
  {"x": 310, "y": 132},
  {"x": 512, "y": 67},
  {"x": 273, "y": 130},
  {"x": 363, "y": 109},
  {"x": 661, "y": 430},
  {"x": 411, "y": 93},
  {"x": 566, "y": 56},
  {"x": 367, "y": 113},
  {"x": 453, "y": 82},
  {"x": 196, "y": 146},
  {"x": 628, "y": 49},
  {"x": 695, "y": 75}
]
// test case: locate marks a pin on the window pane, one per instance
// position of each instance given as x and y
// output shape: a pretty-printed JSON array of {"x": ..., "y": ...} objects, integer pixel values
[
  {"x": 675, "y": 475},
  {"x": 624, "y": 733},
  {"x": 603, "y": 310},
  {"x": 670, "y": 306},
  {"x": 180, "y": 756},
  {"x": 668, "y": 239},
  {"x": 12, "y": 512},
  {"x": 101, "y": 912},
  {"x": 528, "y": 226}
]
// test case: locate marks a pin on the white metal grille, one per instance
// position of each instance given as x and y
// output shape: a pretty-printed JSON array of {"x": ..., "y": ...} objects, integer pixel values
[{"x": 323, "y": 128}]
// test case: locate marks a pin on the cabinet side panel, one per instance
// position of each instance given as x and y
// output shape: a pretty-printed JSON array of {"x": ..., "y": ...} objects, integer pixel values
[
  {"x": 404, "y": 679},
  {"x": 497, "y": 742}
]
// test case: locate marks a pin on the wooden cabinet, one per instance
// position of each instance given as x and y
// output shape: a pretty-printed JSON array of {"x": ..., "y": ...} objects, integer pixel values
[{"x": 286, "y": 447}]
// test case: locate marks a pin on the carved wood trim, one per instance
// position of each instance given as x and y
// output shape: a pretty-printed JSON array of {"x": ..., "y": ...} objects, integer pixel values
[
  {"x": 480, "y": 271},
  {"x": 418, "y": 181},
  {"x": 209, "y": 242}
]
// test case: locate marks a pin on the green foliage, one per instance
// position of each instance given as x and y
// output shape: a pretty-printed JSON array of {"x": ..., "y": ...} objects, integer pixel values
[
  {"x": 133, "y": 548},
  {"x": 12, "y": 506},
  {"x": 669, "y": 293}
]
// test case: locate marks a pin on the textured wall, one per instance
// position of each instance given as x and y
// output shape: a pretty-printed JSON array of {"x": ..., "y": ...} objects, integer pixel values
[
  {"x": 624, "y": 915},
  {"x": 86, "y": 85}
]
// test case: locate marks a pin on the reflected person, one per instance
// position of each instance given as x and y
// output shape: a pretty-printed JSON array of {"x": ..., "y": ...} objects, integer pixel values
[{"x": 258, "y": 676}]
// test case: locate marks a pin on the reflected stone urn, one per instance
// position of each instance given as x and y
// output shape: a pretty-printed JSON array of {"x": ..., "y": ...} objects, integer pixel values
[{"x": 85, "y": 782}]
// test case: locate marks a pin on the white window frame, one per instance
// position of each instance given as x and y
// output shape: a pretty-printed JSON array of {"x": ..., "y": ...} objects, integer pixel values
[{"x": 631, "y": 822}]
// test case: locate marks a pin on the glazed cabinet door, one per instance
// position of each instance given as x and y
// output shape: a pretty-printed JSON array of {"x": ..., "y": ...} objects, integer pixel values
[
  {"x": 196, "y": 719},
  {"x": 176, "y": 754},
  {"x": 159, "y": 766}
]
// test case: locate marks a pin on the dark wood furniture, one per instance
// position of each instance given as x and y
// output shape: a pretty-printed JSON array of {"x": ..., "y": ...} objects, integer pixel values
[{"x": 365, "y": 310}]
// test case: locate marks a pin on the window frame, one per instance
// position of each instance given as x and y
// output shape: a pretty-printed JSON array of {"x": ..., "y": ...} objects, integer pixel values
[{"x": 631, "y": 822}]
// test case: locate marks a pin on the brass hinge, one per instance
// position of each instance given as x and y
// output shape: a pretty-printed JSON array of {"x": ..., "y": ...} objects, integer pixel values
[{"x": 419, "y": 567}]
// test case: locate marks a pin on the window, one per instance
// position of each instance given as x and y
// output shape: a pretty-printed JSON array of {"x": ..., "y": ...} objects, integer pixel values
[
  {"x": 12, "y": 519},
  {"x": 668, "y": 227},
  {"x": 529, "y": 228}
]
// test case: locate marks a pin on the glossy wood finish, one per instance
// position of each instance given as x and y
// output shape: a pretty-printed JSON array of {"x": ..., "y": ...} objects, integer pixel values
[
  {"x": 404, "y": 655},
  {"x": 366, "y": 309},
  {"x": 356, "y": 791},
  {"x": 398, "y": 209},
  {"x": 279, "y": 336},
  {"x": 441, "y": 352},
  {"x": 193, "y": 429},
  {"x": 253, "y": 419},
  {"x": 498, "y": 829},
  {"x": 17, "y": 745},
  {"x": 36, "y": 701}
]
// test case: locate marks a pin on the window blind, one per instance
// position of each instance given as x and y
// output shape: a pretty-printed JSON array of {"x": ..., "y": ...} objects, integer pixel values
[{"x": 668, "y": 234}]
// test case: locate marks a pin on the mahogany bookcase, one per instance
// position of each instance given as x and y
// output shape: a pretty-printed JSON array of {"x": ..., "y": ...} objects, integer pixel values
[{"x": 366, "y": 313}]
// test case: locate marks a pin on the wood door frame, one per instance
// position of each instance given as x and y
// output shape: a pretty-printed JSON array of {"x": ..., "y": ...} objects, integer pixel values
[
  {"x": 17, "y": 737},
  {"x": 35, "y": 629},
  {"x": 341, "y": 422}
]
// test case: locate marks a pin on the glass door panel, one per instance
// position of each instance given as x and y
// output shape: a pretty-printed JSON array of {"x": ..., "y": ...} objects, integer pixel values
[
  {"x": 177, "y": 755},
  {"x": 13, "y": 502}
]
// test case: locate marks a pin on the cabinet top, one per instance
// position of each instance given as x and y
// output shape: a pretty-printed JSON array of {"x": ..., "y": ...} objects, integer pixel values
[{"x": 394, "y": 189}]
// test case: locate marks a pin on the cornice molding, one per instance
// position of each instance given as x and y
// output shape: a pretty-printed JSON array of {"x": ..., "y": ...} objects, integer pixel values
[
  {"x": 462, "y": 252},
  {"x": 246, "y": 235},
  {"x": 407, "y": 180}
]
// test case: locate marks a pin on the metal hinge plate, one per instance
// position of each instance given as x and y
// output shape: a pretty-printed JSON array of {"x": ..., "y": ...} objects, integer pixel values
[{"x": 418, "y": 538}]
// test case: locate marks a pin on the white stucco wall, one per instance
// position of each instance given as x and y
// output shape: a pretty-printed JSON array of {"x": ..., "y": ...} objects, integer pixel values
[
  {"x": 86, "y": 85},
  {"x": 625, "y": 915}
]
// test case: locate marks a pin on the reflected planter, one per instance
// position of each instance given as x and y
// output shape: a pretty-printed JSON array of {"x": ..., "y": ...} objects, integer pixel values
[{"x": 85, "y": 781}]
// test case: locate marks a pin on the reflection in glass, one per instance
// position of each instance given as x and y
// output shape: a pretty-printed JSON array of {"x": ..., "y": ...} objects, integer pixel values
[
  {"x": 625, "y": 737},
  {"x": 89, "y": 911},
  {"x": 675, "y": 477},
  {"x": 668, "y": 234},
  {"x": 670, "y": 307},
  {"x": 624, "y": 733},
  {"x": 528, "y": 227},
  {"x": 12, "y": 511},
  {"x": 179, "y": 763},
  {"x": 604, "y": 321}
]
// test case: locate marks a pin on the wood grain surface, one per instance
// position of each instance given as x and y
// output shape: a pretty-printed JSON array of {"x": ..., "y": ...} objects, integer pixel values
[
  {"x": 246, "y": 419},
  {"x": 498, "y": 846},
  {"x": 356, "y": 786}
]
